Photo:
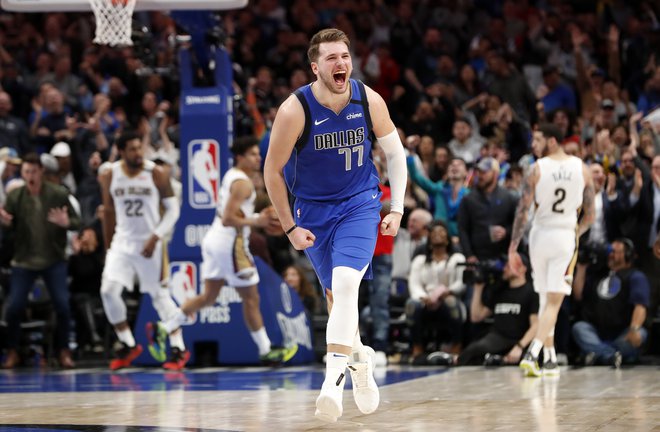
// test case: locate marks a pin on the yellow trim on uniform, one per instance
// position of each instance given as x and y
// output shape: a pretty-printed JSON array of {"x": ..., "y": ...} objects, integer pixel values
[{"x": 241, "y": 259}]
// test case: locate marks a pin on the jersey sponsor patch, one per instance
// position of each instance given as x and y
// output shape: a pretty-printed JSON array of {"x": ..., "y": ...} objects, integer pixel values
[{"x": 203, "y": 173}]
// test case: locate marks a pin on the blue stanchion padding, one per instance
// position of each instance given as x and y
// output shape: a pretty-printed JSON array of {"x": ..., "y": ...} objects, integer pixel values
[{"x": 206, "y": 137}]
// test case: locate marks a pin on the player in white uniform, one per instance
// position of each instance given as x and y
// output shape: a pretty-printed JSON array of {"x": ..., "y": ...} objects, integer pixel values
[
  {"x": 226, "y": 255},
  {"x": 133, "y": 192},
  {"x": 561, "y": 187}
]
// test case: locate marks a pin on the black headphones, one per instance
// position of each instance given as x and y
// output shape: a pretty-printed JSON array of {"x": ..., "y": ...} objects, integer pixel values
[{"x": 628, "y": 249}]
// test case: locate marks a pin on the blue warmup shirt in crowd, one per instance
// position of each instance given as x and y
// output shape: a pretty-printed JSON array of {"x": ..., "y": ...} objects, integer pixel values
[{"x": 332, "y": 160}]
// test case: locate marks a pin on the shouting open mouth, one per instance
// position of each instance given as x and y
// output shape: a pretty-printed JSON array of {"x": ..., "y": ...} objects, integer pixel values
[{"x": 339, "y": 77}]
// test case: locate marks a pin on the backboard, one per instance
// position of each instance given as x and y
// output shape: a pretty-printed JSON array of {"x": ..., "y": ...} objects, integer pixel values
[{"x": 84, "y": 6}]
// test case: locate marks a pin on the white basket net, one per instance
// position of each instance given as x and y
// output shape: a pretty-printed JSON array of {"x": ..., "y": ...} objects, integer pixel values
[{"x": 113, "y": 21}]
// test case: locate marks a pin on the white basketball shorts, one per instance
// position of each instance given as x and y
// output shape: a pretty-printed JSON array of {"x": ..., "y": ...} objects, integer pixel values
[
  {"x": 226, "y": 256},
  {"x": 553, "y": 255},
  {"x": 123, "y": 267}
]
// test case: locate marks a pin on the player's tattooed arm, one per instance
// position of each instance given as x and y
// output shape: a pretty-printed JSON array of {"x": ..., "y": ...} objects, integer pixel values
[
  {"x": 526, "y": 200},
  {"x": 588, "y": 203}
]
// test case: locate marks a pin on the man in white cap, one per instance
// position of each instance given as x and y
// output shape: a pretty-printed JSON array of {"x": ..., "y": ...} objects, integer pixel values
[{"x": 62, "y": 151}]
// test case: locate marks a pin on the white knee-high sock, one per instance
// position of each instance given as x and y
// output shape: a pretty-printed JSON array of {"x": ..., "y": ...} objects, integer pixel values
[
  {"x": 260, "y": 337},
  {"x": 176, "y": 341},
  {"x": 126, "y": 336},
  {"x": 549, "y": 354}
]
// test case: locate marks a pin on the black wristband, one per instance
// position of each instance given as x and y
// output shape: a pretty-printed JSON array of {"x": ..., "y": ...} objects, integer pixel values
[
  {"x": 290, "y": 230},
  {"x": 520, "y": 346}
]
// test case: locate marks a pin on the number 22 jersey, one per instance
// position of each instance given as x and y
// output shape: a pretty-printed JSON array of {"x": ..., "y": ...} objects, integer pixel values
[
  {"x": 137, "y": 207},
  {"x": 331, "y": 160}
]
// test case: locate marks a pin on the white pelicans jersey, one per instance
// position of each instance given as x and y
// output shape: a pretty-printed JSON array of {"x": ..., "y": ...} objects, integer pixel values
[
  {"x": 247, "y": 206},
  {"x": 137, "y": 207},
  {"x": 558, "y": 193}
]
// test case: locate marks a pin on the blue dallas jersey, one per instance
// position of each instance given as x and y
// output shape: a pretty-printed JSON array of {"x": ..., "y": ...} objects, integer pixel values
[{"x": 332, "y": 158}]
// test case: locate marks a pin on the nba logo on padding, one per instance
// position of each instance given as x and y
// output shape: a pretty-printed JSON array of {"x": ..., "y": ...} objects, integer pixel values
[
  {"x": 183, "y": 283},
  {"x": 203, "y": 173}
]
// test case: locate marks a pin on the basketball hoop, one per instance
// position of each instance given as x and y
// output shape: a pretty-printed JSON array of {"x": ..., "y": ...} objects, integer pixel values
[{"x": 113, "y": 21}]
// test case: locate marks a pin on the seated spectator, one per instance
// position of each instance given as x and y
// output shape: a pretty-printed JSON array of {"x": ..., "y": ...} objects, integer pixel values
[
  {"x": 62, "y": 152},
  {"x": 436, "y": 286},
  {"x": 553, "y": 93},
  {"x": 88, "y": 191},
  {"x": 514, "y": 307},
  {"x": 50, "y": 120},
  {"x": 613, "y": 310},
  {"x": 408, "y": 243},
  {"x": 295, "y": 277},
  {"x": 13, "y": 130},
  {"x": 65, "y": 81},
  {"x": 610, "y": 208},
  {"x": 650, "y": 98},
  {"x": 85, "y": 270}
]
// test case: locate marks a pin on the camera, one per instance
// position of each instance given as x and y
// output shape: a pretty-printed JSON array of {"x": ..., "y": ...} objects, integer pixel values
[
  {"x": 592, "y": 253},
  {"x": 487, "y": 272}
]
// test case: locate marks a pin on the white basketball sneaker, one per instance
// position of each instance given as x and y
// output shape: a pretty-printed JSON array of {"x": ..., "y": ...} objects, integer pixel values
[
  {"x": 329, "y": 403},
  {"x": 365, "y": 390}
]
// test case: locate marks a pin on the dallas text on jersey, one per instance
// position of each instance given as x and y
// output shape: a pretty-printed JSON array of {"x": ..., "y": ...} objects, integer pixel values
[{"x": 343, "y": 138}]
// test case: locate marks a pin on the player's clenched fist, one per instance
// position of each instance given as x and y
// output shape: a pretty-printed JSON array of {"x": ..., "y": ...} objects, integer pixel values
[
  {"x": 301, "y": 238},
  {"x": 389, "y": 226}
]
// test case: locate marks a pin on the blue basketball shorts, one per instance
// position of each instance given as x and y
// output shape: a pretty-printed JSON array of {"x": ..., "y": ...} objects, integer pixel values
[{"x": 345, "y": 231}]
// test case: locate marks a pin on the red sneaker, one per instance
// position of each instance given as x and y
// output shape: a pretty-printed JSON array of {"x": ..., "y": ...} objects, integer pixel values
[
  {"x": 177, "y": 360},
  {"x": 125, "y": 356}
]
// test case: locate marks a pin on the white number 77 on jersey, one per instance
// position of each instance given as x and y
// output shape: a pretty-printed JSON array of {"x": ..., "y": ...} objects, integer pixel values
[{"x": 347, "y": 154}]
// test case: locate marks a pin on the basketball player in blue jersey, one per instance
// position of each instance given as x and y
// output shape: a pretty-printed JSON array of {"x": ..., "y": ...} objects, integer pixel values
[{"x": 320, "y": 149}]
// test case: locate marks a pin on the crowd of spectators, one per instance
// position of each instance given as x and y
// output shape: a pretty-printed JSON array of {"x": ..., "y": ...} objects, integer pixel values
[{"x": 465, "y": 82}]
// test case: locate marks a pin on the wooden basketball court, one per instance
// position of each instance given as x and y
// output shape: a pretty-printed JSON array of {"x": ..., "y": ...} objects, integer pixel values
[{"x": 258, "y": 399}]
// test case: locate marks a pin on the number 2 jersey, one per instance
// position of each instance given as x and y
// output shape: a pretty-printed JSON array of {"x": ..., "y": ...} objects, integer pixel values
[
  {"x": 331, "y": 160},
  {"x": 559, "y": 193},
  {"x": 137, "y": 207}
]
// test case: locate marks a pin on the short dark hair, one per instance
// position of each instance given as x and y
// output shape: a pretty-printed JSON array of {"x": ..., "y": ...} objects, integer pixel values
[
  {"x": 125, "y": 137},
  {"x": 32, "y": 158},
  {"x": 550, "y": 130},
  {"x": 243, "y": 144},
  {"x": 325, "y": 35},
  {"x": 629, "y": 252}
]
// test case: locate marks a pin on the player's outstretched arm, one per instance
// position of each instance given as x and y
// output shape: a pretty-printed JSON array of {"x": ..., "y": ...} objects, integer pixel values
[
  {"x": 588, "y": 202},
  {"x": 520, "y": 221},
  {"x": 287, "y": 127},
  {"x": 389, "y": 141}
]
